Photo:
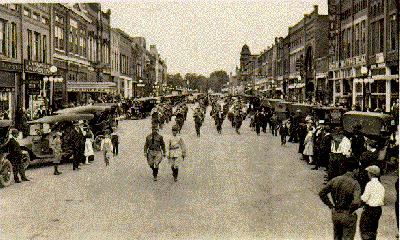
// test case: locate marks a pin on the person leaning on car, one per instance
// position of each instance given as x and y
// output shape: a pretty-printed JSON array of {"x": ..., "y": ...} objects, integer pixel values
[{"x": 15, "y": 156}]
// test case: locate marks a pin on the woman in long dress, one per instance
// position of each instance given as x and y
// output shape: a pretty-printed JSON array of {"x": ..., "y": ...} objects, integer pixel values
[
  {"x": 309, "y": 145},
  {"x": 176, "y": 152}
]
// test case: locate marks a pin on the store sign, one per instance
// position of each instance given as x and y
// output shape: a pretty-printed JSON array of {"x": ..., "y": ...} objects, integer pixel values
[
  {"x": 37, "y": 67},
  {"x": 7, "y": 66}
]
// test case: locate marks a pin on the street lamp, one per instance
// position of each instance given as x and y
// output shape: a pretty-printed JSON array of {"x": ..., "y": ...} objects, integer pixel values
[{"x": 364, "y": 73}]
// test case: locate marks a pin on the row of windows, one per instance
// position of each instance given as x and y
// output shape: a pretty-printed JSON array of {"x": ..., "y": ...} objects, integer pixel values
[
  {"x": 377, "y": 8},
  {"x": 360, "y": 5},
  {"x": 35, "y": 15},
  {"x": 36, "y": 46},
  {"x": 8, "y": 38}
]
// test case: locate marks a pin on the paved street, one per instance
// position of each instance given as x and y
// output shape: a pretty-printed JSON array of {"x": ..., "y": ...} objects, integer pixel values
[{"x": 230, "y": 187}]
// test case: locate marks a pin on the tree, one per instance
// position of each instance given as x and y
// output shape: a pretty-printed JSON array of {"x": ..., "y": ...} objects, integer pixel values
[
  {"x": 195, "y": 81},
  {"x": 176, "y": 80},
  {"x": 217, "y": 80}
]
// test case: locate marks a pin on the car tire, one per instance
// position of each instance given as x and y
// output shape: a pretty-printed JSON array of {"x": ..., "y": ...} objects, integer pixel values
[{"x": 6, "y": 172}]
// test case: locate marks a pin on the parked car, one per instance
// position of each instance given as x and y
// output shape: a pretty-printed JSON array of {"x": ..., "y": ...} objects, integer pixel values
[
  {"x": 5, "y": 164},
  {"x": 36, "y": 146}
]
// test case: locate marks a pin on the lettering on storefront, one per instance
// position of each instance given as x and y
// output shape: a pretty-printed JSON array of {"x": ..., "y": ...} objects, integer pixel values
[
  {"x": 37, "y": 67},
  {"x": 7, "y": 66}
]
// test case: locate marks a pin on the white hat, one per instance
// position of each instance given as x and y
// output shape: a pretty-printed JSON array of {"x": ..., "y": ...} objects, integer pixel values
[{"x": 374, "y": 170}]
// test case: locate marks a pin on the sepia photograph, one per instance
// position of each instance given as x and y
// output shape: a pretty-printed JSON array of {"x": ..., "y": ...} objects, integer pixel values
[{"x": 199, "y": 119}]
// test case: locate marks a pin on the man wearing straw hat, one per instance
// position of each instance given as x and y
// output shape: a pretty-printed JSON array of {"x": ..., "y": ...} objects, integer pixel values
[{"x": 154, "y": 150}]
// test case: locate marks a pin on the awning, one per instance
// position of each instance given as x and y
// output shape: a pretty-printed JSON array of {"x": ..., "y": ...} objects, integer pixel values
[
  {"x": 386, "y": 77},
  {"x": 107, "y": 87}
]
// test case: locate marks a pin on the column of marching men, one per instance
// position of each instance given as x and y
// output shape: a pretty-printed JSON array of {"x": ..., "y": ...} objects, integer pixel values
[{"x": 352, "y": 162}]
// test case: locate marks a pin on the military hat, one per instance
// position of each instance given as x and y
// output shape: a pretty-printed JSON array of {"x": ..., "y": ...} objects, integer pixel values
[{"x": 373, "y": 170}]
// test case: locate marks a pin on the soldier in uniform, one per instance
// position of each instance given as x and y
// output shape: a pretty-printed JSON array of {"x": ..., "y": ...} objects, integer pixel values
[
  {"x": 258, "y": 121},
  {"x": 154, "y": 150},
  {"x": 176, "y": 152},
  {"x": 197, "y": 120},
  {"x": 219, "y": 119}
]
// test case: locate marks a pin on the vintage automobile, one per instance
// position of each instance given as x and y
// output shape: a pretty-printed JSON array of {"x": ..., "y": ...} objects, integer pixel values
[
  {"x": 331, "y": 115},
  {"x": 282, "y": 110},
  {"x": 372, "y": 124},
  {"x": 377, "y": 127},
  {"x": 5, "y": 164},
  {"x": 36, "y": 146}
]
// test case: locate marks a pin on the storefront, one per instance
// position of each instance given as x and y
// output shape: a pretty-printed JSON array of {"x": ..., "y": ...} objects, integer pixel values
[
  {"x": 82, "y": 92},
  {"x": 9, "y": 72},
  {"x": 36, "y": 89}
]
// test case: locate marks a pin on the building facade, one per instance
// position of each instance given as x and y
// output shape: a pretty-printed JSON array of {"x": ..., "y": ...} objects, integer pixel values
[
  {"x": 363, "y": 64},
  {"x": 122, "y": 62}
]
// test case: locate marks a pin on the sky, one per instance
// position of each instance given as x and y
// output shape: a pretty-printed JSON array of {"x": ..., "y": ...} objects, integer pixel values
[{"x": 205, "y": 36}]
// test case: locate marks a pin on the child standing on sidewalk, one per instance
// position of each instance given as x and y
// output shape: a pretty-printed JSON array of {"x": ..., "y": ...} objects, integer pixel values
[
  {"x": 107, "y": 148},
  {"x": 114, "y": 141},
  {"x": 89, "y": 153}
]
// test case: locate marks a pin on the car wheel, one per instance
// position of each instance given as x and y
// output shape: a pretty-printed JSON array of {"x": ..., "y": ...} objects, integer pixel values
[
  {"x": 5, "y": 173},
  {"x": 26, "y": 159}
]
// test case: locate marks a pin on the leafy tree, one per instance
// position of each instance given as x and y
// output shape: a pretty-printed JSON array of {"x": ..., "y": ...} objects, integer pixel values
[
  {"x": 217, "y": 80},
  {"x": 176, "y": 80}
]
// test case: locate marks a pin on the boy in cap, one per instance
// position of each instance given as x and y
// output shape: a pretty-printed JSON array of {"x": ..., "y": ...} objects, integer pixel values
[{"x": 373, "y": 197}]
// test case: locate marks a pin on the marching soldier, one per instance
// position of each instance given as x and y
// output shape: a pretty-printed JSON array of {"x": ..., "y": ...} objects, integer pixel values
[
  {"x": 198, "y": 119},
  {"x": 154, "y": 150},
  {"x": 176, "y": 152}
]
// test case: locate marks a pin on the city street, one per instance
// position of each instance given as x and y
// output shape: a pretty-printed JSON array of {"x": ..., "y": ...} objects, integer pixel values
[{"x": 230, "y": 187}]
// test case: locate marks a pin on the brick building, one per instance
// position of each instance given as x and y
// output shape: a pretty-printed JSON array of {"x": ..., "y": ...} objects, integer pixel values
[{"x": 364, "y": 53}]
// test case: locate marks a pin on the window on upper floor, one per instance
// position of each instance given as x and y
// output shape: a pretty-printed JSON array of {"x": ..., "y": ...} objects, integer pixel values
[
  {"x": 13, "y": 40},
  {"x": 394, "y": 33},
  {"x": 3, "y": 39},
  {"x": 35, "y": 15},
  {"x": 45, "y": 20},
  {"x": 27, "y": 12},
  {"x": 29, "y": 45},
  {"x": 13, "y": 7},
  {"x": 44, "y": 48}
]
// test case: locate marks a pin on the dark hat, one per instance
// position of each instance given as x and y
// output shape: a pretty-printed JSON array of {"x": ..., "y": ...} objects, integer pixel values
[
  {"x": 14, "y": 131},
  {"x": 357, "y": 127}
]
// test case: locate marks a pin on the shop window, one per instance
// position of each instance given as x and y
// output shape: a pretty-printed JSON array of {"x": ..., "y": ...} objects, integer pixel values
[
  {"x": 359, "y": 87},
  {"x": 378, "y": 87},
  {"x": 346, "y": 86}
]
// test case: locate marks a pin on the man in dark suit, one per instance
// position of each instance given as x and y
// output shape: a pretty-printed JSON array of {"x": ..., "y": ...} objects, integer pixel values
[{"x": 15, "y": 156}]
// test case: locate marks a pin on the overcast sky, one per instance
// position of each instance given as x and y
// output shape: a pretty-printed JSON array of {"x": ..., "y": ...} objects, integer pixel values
[{"x": 203, "y": 36}]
